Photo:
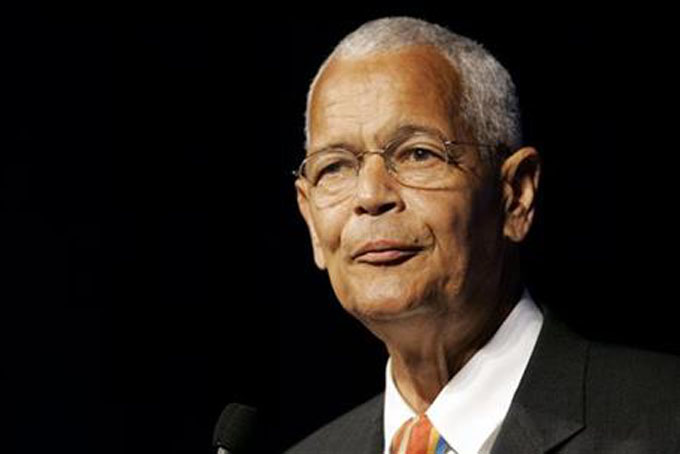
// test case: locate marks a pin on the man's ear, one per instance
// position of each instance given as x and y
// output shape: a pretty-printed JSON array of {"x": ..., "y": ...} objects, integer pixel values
[
  {"x": 304, "y": 207},
  {"x": 520, "y": 175}
]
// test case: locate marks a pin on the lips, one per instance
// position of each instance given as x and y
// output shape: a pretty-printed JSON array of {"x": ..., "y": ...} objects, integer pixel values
[{"x": 385, "y": 252}]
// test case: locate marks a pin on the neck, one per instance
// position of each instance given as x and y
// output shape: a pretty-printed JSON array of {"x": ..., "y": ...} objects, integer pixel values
[{"x": 428, "y": 350}]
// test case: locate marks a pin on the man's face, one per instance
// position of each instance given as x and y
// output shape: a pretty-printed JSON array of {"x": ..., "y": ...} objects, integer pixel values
[{"x": 391, "y": 250}]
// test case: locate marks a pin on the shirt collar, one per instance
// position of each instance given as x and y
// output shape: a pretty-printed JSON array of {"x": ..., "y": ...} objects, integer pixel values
[{"x": 469, "y": 409}]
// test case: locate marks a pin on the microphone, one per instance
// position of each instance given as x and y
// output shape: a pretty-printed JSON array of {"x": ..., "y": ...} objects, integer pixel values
[{"x": 235, "y": 429}]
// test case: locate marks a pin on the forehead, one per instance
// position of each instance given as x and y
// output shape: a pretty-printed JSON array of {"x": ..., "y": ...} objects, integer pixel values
[{"x": 368, "y": 97}]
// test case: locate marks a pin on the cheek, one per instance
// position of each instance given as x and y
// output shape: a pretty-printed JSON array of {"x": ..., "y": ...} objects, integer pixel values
[
  {"x": 454, "y": 256},
  {"x": 447, "y": 217},
  {"x": 329, "y": 225},
  {"x": 452, "y": 226},
  {"x": 471, "y": 244}
]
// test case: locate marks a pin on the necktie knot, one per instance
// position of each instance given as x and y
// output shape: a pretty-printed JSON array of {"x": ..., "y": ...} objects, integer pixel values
[{"x": 418, "y": 436}]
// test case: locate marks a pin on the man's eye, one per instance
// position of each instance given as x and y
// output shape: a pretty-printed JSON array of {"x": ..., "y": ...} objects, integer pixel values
[
  {"x": 334, "y": 169},
  {"x": 420, "y": 154}
]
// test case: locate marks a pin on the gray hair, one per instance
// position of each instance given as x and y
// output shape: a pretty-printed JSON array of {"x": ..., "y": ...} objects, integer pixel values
[{"x": 488, "y": 102}]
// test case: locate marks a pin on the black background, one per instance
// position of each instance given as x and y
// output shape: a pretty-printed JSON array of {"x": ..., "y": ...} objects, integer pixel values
[{"x": 154, "y": 265}]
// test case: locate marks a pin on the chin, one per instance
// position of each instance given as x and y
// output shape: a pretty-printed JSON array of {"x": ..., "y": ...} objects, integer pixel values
[
  {"x": 385, "y": 309},
  {"x": 383, "y": 297}
]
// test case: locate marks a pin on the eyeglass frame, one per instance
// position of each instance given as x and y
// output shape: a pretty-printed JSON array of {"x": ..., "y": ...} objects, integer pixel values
[{"x": 503, "y": 149}]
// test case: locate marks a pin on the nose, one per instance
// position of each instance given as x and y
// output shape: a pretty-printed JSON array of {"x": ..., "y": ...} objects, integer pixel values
[{"x": 377, "y": 191}]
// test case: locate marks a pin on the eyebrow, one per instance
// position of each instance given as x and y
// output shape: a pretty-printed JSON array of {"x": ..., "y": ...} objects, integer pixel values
[{"x": 402, "y": 131}]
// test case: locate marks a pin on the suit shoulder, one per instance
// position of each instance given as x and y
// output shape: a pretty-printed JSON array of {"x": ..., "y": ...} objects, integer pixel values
[
  {"x": 355, "y": 428},
  {"x": 635, "y": 379},
  {"x": 630, "y": 365}
]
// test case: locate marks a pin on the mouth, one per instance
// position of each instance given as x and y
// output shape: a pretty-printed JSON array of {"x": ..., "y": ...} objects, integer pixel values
[{"x": 385, "y": 253}]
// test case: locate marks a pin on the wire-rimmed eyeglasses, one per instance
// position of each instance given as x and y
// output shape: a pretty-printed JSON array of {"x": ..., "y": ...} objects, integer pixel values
[{"x": 420, "y": 160}]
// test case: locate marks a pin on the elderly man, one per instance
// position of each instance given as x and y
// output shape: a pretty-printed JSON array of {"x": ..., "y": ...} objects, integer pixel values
[{"x": 417, "y": 191}]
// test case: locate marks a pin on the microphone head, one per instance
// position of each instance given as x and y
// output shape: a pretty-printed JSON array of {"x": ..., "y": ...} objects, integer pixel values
[{"x": 235, "y": 430}]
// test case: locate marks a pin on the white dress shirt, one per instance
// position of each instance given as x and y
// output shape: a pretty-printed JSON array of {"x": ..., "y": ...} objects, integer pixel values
[{"x": 469, "y": 410}]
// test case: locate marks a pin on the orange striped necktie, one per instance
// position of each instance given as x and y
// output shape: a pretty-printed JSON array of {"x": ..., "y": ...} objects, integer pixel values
[{"x": 418, "y": 436}]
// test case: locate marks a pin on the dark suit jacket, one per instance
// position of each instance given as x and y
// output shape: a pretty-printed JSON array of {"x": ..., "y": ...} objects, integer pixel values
[{"x": 576, "y": 396}]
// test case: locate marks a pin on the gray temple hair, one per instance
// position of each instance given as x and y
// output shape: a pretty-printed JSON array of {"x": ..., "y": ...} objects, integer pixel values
[{"x": 488, "y": 102}]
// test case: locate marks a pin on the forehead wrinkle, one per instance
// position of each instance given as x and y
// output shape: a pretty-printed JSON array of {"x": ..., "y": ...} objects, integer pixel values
[
  {"x": 398, "y": 86},
  {"x": 354, "y": 109}
]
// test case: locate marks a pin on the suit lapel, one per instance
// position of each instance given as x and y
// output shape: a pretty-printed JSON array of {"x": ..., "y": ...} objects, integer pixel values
[
  {"x": 374, "y": 434},
  {"x": 548, "y": 406},
  {"x": 375, "y": 443},
  {"x": 368, "y": 430}
]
